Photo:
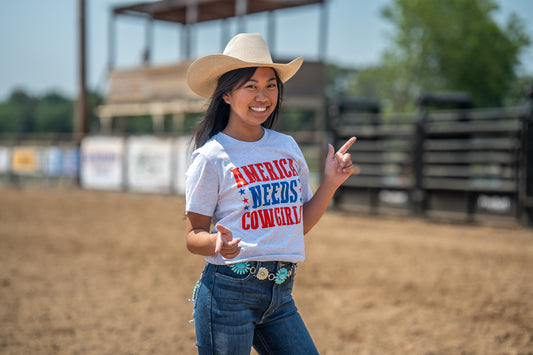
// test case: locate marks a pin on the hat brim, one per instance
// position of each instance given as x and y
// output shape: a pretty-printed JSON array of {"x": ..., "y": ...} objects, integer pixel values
[{"x": 203, "y": 73}]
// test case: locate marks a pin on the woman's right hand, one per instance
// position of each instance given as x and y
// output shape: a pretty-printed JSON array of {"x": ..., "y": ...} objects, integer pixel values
[{"x": 225, "y": 244}]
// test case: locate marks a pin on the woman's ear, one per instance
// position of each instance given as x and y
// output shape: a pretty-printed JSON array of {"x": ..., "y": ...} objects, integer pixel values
[{"x": 227, "y": 98}]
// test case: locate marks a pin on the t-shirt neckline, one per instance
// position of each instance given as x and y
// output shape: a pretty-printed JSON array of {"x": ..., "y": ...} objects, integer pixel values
[{"x": 259, "y": 141}]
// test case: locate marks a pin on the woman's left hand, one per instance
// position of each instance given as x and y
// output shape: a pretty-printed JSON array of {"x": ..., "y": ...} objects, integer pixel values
[
  {"x": 337, "y": 169},
  {"x": 339, "y": 165}
]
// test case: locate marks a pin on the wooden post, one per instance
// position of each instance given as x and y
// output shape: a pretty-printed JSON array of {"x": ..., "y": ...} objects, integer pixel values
[
  {"x": 111, "y": 43},
  {"x": 271, "y": 32},
  {"x": 224, "y": 34},
  {"x": 323, "y": 34},
  {"x": 418, "y": 196},
  {"x": 241, "y": 9},
  {"x": 158, "y": 123},
  {"x": 81, "y": 109},
  {"x": 149, "y": 40},
  {"x": 525, "y": 188},
  {"x": 191, "y": 17}
]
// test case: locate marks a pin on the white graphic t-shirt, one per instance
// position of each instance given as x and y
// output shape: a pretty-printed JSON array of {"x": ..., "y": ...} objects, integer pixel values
[{"x": 257, "y": 190}]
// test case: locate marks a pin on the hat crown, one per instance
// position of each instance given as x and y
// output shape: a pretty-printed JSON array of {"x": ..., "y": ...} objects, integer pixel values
[
  {"x": 249, "y": 47},
  {"x": 245, "y": 50}
]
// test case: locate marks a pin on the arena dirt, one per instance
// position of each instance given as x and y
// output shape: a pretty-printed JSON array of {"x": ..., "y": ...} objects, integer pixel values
[{"x": 85, "y": 272}]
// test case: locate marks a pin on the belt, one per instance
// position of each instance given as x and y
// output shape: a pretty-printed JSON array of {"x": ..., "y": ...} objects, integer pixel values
[{"x": 282, "y": 272}]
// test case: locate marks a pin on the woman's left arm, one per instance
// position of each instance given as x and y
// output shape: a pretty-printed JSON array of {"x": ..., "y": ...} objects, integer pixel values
[{"x": 337, "y": 169}]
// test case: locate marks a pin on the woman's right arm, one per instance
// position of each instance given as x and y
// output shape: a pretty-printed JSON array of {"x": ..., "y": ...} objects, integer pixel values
[{"x": 201, "y": 241}]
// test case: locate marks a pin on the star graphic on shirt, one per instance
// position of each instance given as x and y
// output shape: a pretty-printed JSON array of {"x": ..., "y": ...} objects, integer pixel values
[
  {"x": 242, "y": 192},
  {"x": 245, "y": 200},
  {"x": 246, "y": 208}
]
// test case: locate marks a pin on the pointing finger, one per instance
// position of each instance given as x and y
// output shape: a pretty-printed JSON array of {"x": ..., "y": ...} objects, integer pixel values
[{"x": 347, "y": 145}]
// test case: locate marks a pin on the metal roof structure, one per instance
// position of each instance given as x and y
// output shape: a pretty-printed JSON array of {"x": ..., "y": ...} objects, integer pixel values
[{"x": 195, "y": 11}]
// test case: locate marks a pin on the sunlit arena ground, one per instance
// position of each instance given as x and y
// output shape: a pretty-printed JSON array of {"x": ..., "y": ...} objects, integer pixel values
[{"x": 89, "y": 272}]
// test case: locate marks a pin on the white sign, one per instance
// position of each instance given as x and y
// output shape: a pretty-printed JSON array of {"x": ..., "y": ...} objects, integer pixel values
[
  {"x": 499, "y": 204},
  {"x": 393, "y": 197},
  {"x": 5, "y": 160},
  {"x": 149, "y": 164},
  {"x": 101, "y": 163},
  {"x": 182, "y": 154}
]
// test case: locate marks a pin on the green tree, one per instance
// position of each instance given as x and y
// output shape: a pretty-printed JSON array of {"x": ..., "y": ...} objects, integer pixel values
[
  {"x": 7, "y": 123},
  {"x": 448, "y": 45},
  {"x": 517, "y": 93},
  {"x": 21, "y": 109},
  {"x": 54, "y": 113}
]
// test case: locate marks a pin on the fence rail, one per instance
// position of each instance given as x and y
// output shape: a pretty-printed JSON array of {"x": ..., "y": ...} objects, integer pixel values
[{"x": 456, "y": 163}]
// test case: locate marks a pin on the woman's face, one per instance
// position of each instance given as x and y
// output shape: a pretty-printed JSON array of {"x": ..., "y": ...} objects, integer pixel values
[{"x": 254, "y": 101}]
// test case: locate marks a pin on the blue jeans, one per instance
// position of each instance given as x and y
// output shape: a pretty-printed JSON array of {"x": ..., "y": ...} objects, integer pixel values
[{"x": 233, "y": 312}]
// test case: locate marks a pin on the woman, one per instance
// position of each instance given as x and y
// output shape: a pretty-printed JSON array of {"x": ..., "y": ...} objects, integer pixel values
[{"x": 251, "y": 183}]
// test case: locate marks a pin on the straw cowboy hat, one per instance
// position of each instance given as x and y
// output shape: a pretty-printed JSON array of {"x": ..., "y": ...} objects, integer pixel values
[{"x": 243, "y": 51}]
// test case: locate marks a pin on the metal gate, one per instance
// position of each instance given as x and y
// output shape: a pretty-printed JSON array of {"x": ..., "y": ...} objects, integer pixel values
[{"x": 447, "y": 160}]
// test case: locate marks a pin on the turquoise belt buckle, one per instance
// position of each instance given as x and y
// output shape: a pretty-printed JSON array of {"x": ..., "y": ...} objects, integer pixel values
[
  {"x": 262, "y": 273},
  {"x": 240, "y": 268}
]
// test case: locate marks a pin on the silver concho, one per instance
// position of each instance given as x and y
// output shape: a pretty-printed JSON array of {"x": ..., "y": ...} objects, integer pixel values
[{"x": 262, "y": 273}]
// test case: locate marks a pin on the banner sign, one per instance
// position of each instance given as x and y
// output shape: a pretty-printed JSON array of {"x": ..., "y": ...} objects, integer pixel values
[
  {"x": 183, "y": 151},
  {"x": 149, "y": 164},
  {"x": 70, "y": 163},
  {"x": 26, "y": 160},
  {"x": 52, "y": 161},
  {"x": 5, "y": 160},
  {"x": 61, "y": 161},
  {"x": 101, "y": 159}
]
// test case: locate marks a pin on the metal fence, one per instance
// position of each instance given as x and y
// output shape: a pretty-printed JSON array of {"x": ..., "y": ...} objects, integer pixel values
[{"x": 455, "y": 162}]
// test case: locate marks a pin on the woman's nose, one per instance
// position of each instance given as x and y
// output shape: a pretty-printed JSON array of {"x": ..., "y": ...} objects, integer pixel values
[{"x": 261, "y": 95}]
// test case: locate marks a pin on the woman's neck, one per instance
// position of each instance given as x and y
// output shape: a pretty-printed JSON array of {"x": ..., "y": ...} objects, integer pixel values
[{"x": 245, "y": 135}]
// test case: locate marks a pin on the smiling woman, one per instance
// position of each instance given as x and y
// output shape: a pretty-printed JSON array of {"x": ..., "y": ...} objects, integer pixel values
[{"x": 252, "y": 184}]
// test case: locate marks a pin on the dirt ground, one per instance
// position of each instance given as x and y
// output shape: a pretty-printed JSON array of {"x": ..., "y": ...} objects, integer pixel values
[{"x": 87, "y": 272}]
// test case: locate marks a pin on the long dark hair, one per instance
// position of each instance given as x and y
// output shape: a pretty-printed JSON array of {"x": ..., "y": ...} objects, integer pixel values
[{"x": 217, "y": 115}]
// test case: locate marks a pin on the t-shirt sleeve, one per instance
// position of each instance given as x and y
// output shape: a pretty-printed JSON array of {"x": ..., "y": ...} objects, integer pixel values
[{"x": 201, "y": 186}]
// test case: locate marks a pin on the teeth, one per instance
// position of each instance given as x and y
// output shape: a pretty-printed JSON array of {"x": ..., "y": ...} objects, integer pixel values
[{"x": 258, "y": 109}]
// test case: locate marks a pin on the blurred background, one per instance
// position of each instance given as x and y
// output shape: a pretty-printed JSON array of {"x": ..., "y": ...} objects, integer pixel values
[
  {"x": 437, "y": 93},
  {"x": 40, "y": 54},
  {"x": 95, "y": 124}
]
